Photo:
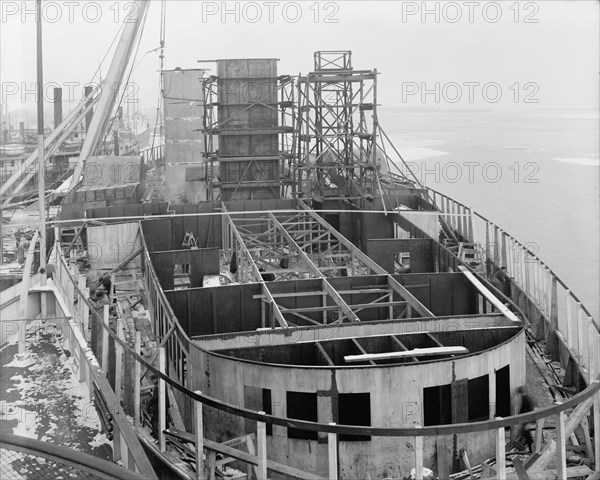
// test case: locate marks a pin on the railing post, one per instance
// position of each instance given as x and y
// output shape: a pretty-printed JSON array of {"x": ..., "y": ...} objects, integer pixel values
[
  {"x": 137, "y": 373},
  {"x": 199, "y": 432},
  {"x": 561, "y": 454},
  {"x": 418, "y": 455},
  {"x": 105, "y": 318},
  {"x": 162, "y": 400},
  {"x": 597, "y": 431},
  {"x": 580, "y": 334},
  {"x": 261, "y": 440},
  {"x": 500, "y": 452},
  {"x": 593, "y": 345},
  {"x": 333, "y": 454},
  {"x": 569, "y": 320}
]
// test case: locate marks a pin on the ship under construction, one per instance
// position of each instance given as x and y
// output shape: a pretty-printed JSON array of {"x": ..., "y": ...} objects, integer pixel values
[{"x": 273, "y": 294}]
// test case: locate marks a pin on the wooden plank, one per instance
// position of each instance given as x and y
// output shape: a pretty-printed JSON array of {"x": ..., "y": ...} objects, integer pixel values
[
  {"x": 199, "y": 438},
  {"x": 443, "y": 457},
  {"x": 245, "y": 457},
  {"x": 174, "y": 410},
  {"x": 332, "y": 448},
  {"x": 416, "y": 352},
  {"x": 520, "y": 469},
  {"x": 363, "y": 351},
  {"x": 402, "y": 346},
  {"x": 488, "y": 295}
]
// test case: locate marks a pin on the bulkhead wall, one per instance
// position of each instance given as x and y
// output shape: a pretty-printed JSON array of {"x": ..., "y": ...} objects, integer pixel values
[{"x": 396, "y": 398}]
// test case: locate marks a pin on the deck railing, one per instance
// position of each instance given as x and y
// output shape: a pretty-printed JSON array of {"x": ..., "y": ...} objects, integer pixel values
[
  {"x": 549, "y": 303},
  {"x": 71, "y": 286}
]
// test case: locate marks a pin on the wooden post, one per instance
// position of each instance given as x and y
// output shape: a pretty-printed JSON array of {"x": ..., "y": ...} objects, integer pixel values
[
  {"x": 443, "y": 457},
  {"x": 261, "y": 439},
  {"x": 162, "y": 401},
  {"x": 333, "y": 454},
  {"x": 539, "y": 435},
  {"x": 492, "y": 397},
  {"x": 199, "y": 432},
  {"x": 85, "y": 314},
  {"x": 500, "y": 453},
  {"x": 580, "y": 334},
  {"x": 105, "y": 318},
  {"x": 597, "y": 431},
  {"x": 137, "y": 373},
  {"x": 551, "y": 339},
  {"x": 418, "y": 455},
  {"x": 119, "y": 362},
  {"x": 561, "y": 454},
  {"x": 593, "y": 345}
]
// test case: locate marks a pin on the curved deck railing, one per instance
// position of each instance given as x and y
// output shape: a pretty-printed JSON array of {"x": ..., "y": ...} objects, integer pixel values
[
  {"x": 36, "y": 459},
  {"x": 545, "y": 294},
  {"x": 178, "y": 347}
]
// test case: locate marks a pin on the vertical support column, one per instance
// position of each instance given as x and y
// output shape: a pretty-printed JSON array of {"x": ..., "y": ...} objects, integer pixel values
[
  {"x": 500, "y": 453},
  {"x": 261, "y": 440},
  {"x": 105, "y": 318},
  {"x": 561, "y": 454},
  {"x": 492, "y": 395},
  {"x": 332, "y": 447},
  {"x": 199, "y": 433},
  {"x": 162, "y": 400},
  {"x": 137, "y": 373},
  {"x": 418, "y": 455}
]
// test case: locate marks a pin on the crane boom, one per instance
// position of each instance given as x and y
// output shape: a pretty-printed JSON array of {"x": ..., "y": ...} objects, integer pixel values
[{"x": 112, "y": 82}]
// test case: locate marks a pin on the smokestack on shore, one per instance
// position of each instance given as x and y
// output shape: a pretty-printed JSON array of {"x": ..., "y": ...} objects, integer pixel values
[{"x": 58, "y": 113}]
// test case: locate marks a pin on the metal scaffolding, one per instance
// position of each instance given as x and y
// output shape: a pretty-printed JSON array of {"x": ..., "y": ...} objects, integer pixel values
[
  {"x": 242, "y": 117},
  {"x": 337, "y": 128},
  {"x": 303, "y": 246}
]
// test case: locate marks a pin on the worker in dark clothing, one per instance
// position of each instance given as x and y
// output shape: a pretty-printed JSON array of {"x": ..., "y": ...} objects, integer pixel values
[
  {"x": 153, "y": 407},
  {"x": 501, "y": 281},
  {"x": 527, "y": 404}
]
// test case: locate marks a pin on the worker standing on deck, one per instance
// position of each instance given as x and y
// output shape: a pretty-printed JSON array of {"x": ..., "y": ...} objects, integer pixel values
[
  {"x": 501, "y": 281},
  {"x": 526, "y": 404}
]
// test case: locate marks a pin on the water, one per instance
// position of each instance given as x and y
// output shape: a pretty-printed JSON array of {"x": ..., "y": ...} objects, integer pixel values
[{"x": 534, "y": 174}]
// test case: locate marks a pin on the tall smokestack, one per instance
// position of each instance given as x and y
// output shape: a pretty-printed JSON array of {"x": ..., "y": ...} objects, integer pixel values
[
  {"x": 88, "y": 117},
  {"x": 22, "y": 130},
  {"x": 57, "y": 107}
]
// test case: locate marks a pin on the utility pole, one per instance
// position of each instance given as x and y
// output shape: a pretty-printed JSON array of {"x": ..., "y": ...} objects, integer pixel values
[{"x": 41, "y": 163}]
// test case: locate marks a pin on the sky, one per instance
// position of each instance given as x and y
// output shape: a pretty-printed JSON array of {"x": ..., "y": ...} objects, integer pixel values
[{"x": 466, "y": 54}]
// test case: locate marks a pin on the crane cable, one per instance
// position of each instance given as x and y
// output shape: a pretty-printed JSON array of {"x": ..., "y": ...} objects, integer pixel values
[{"x": 163, "y": 17}]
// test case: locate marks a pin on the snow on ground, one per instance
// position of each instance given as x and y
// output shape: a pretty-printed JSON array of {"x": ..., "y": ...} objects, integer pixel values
[{"x": 42, "y": 397}]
